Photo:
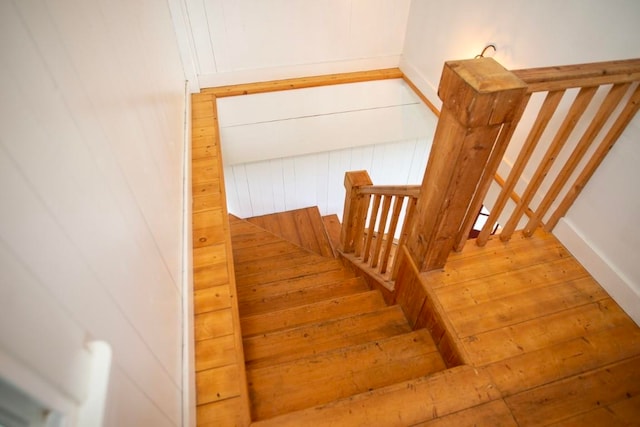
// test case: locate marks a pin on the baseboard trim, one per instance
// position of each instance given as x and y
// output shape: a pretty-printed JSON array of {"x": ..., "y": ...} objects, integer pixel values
[{"x": 620, "y": 288}]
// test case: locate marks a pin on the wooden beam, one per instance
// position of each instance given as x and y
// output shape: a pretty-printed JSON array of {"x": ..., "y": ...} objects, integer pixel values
[
  {"x": 479, "y": 96},
  {"x": 304, "y": 82}
]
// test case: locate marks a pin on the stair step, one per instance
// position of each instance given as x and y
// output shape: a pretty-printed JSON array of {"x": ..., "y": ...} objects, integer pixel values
[
  {"x": 265, "y": 249},
  {"x": 401, "y": 404},
  {"x": 324, "y": 377},
  {"x": 291, "y": 285},
  {"x": 299, "y": 270},
  {"x": 270, "y": 263},
  {"x": 287, "y": 318},
  {"x": 298, "y": 297},
  {"x": 291, "y": 344},
  {"x": 303, "y": 227}
]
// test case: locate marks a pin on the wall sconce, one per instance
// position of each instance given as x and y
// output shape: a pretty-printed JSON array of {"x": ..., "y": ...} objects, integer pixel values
[{"x": 484, "y": 51}]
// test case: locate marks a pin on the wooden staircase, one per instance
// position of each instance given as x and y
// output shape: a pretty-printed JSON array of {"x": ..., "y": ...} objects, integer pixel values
[{"x": 314, "y": 334}]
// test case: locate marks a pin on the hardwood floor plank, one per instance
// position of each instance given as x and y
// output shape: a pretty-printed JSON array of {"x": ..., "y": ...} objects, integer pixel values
[
  {"x": 492, "y": 414},
  {"x": 555, "y": 362},
  {"x": 578, "y": 394},
  {"x": 476, "y": 291},
  {"x": 500, "y": 344},
  {"x": 528, "y": 305},
  {"x": 497, "y": 261}
]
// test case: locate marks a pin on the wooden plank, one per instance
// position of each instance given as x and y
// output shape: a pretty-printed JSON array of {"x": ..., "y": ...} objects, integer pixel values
[
  {"x": 348, "y": 305},
  {"x": 497, "y": 261},
  {"x": 469, "y": 293},
  {"x": 324, "y": 377},
  {"x": 203, "y": 203},
  {"x": 261, "y": 248},
  {"x": 548, "y": 108},
  {"x": 320, "y": 266},
  {"x": 213, "y": 324},
  {"x": 524, "y": 306},
  {"x": 401, "y": 404},
  {"x": 578, "y": 107},
  {"x": 211, "y": 299},
  {"x": 495, "y": 414},
  {"x": 215, "y": 352},
  {"x": 555, "y": 362},
  {"x": 332, "y": 227},
  {"x": 388, "y": 249},
  {"x": 305, "y": 231},
  {"x": 208, "y": 228},
  {"x": 304, "y": 296},
  {"x": 283, "y": 346},
  {"x": 270, "y": 290},
  {"x": 578, "y": 394},
  {"x": 382, "y": 224},
  {"x": 596, "y": 124},
  {"x": 212, "y": 254},
  {"x": 320, "y": 232},
  {"x": 210, "y": 275},
  {"x": 303, "y": 82},
  {"x": 580, "y": 75},
  {"x": 499, "y": 344},
  {"x": 224, "y": 413},
  {"x": 268, "y": 265},
  {"x": 218, "y": 384},
  {"x": 598, "y": 156}
]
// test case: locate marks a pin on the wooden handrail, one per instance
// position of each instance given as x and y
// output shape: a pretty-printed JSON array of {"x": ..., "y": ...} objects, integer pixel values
[
  {"x": 390, "y": 190},
  {"x": 603, "y": 117},
  {"x": 546, "y": 79}
]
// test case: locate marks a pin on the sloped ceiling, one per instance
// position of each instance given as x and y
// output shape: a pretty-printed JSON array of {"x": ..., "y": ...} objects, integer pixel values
[{"x": 239, "y": 41}]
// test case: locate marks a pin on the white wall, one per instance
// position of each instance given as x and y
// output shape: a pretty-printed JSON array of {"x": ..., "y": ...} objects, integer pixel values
[
  {"x": 602, "y": 226},
  {"x": 240, "y": 41},
  {"x": 291, "y": 149},
  {"x": 91, "y": 158}
]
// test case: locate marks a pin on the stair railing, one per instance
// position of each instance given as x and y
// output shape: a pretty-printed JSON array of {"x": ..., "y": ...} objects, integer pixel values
[
  {"x": 485, "y": 109},
  {"x": 375, "y": 223},
  {"x": 600, "y": 99}
]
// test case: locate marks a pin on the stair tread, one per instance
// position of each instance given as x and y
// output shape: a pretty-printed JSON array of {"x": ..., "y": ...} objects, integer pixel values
[
  {"x": 311, "y": 313},
  {"x": 304, "y": 227},
  {"x": 400, "y": 404},
  {"x": 324, "y": 377},
  {"x": 264, "y": 302},
  {"x": 282, "y": 287},
  {"x": 291, "y": 344},
  {"x": 298, "y": 270}
]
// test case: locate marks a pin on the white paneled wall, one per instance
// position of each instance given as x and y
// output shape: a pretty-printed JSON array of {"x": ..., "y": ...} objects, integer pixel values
[
  {"x": 318, "y": 179},
  {"x": 237, "y": 41},
  {"x": 91, "y": 159},
  {"x": 290, "y": 149},
  {"x": 311, "y": 120}
]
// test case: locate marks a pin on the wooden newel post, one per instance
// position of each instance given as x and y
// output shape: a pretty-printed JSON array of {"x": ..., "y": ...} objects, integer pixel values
[
  {"x": 479, "y": 96},
  {"x": 354, "y": 208}
]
